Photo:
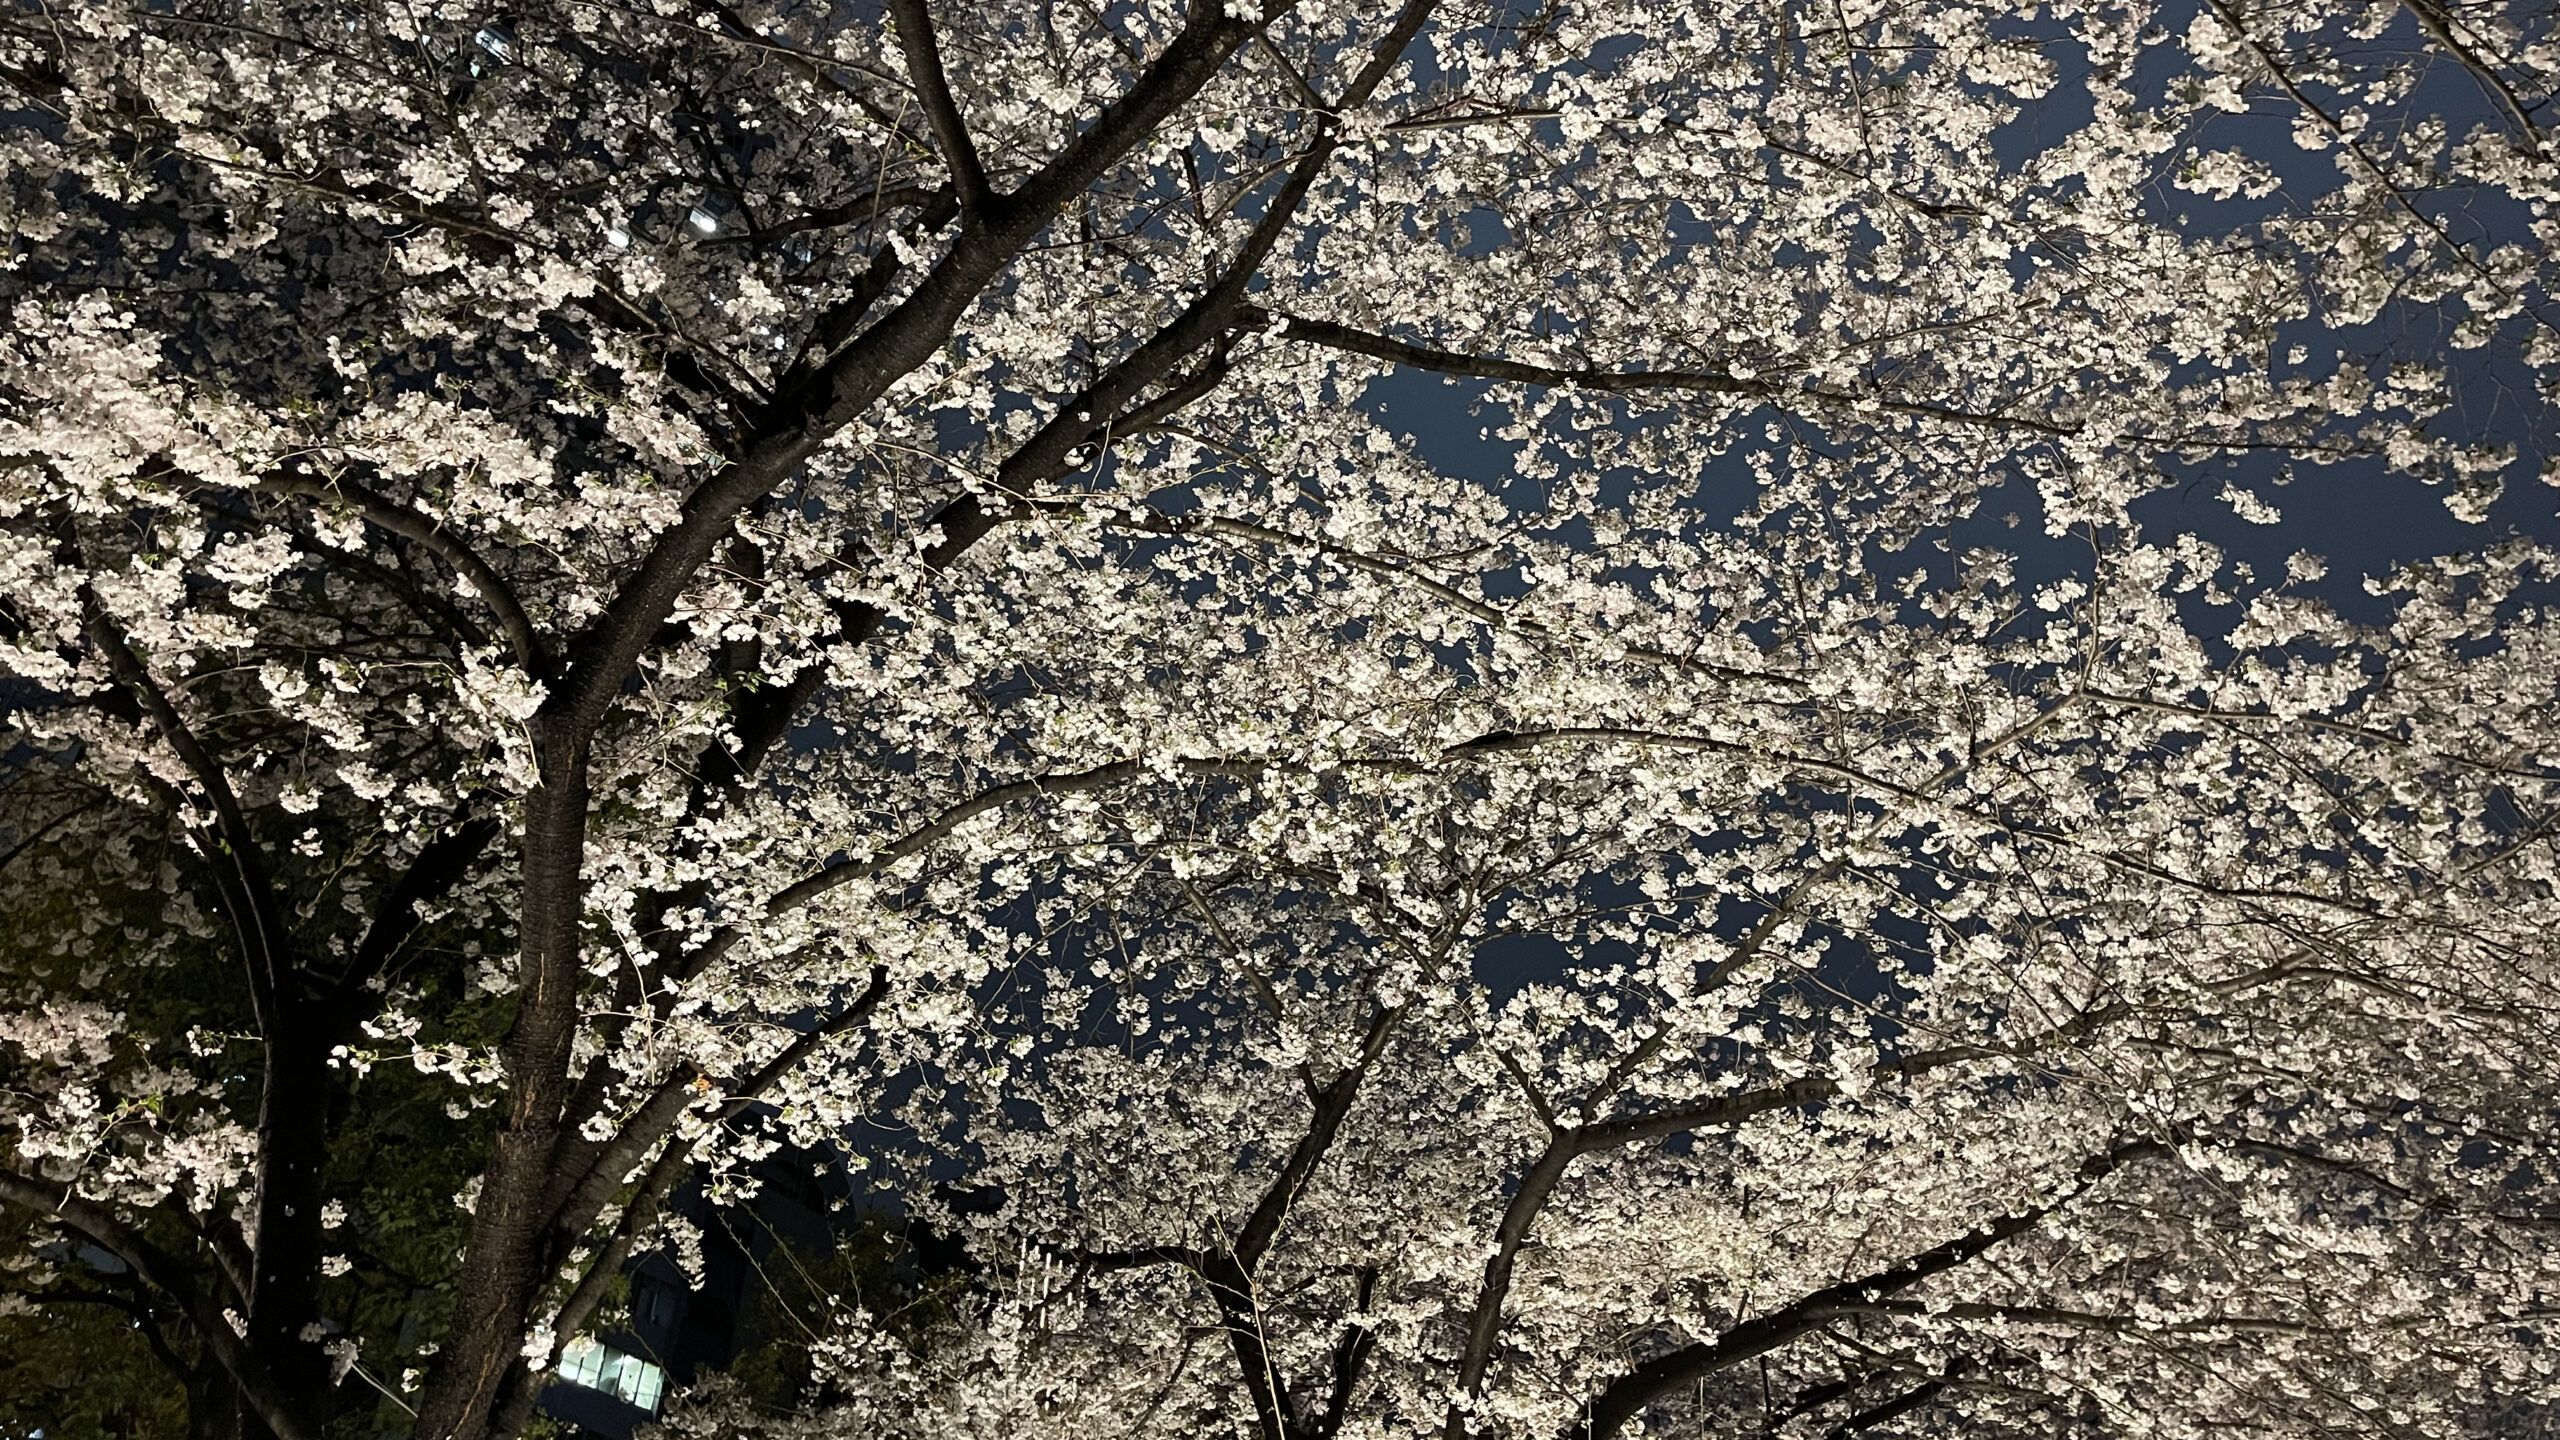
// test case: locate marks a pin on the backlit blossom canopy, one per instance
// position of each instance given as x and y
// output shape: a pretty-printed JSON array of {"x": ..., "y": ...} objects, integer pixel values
[{"x": 591, "y": 590}]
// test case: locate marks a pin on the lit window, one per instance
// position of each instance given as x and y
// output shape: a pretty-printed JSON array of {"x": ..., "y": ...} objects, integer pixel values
[
  {"x": 624, "y": 1377},
  {"x": 709, "y": 209}
]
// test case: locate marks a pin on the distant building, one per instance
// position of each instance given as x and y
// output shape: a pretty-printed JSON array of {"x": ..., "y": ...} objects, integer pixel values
[{"x": 610, "y": 1385}]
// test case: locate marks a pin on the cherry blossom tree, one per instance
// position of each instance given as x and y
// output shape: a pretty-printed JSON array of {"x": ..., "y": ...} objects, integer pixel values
[{"x": 686, "y": 578}]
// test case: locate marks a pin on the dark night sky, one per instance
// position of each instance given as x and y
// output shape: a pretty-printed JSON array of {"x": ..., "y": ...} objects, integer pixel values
[{"x": 2357, "y": 516}]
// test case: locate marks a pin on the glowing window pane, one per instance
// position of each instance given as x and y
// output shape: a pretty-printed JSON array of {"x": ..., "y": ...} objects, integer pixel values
[
  {"x": 580, "y": 1362},
  {"x": 624, "y": 1377}
]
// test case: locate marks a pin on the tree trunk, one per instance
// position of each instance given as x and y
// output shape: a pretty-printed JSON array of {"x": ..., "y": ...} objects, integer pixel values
[
  {"x": 501, "y": 1272},
  {"x": 213, "y": 1409},
  {"x": 284, "y": 1286}
]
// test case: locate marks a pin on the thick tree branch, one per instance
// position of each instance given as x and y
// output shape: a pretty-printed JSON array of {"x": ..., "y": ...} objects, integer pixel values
[
  {"x": 1229, "y": 1273},
  {"x": 232, "y": 1261},
  {"x": 798, "y": 391},
  {"x": 1565, "y": 1146},
  {"x": 434, "y": 872},
  {"x": 2072, "y": 1319},
  {"x": 432, "y": 536},
  {"x": 166, "y": 1274},
  {"x": 1048, "y": 452},
  {"x": 933, "y": 91},
  {"x": 1231, "y": 1285},
  {"x": 1642, "y": 1385},
  {"x": 283, "y": 1295},
  {"x": 1332, "y": 1106},
  {"x": 518, "y": 1386},
  {"x": 501, "y": 1273},
  {"x": 233, "y": 853},
  {"x": 1484, "y": 1320},
  {"x": 1111, "y": 405},
  {"x": 848, "y": 383},
  {"x": 586, "y": 1181},
  {"x": 1900, "y": 1405},
  {"x": 1359, "y": 1338}
]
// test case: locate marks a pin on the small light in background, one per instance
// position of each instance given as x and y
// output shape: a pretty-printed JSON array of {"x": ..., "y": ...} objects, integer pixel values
[
  {"x": 707, "y": 212},
  {"x": 499, "y": 40}
]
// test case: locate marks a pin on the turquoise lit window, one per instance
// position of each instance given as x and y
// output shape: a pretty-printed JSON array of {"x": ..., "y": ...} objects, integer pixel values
[{"x": 624, "y": 1377}]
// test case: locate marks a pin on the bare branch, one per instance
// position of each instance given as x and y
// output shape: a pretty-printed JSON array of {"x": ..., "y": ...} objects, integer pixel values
[
  {"x": 1485, "y": 367},
  {"x": 2353, "y": 145},
  {"x": 1157, "y": 522}
]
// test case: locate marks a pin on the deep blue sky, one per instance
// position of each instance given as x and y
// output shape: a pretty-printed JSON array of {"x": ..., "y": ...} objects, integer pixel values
[{"x": 2360, "y": 518}]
